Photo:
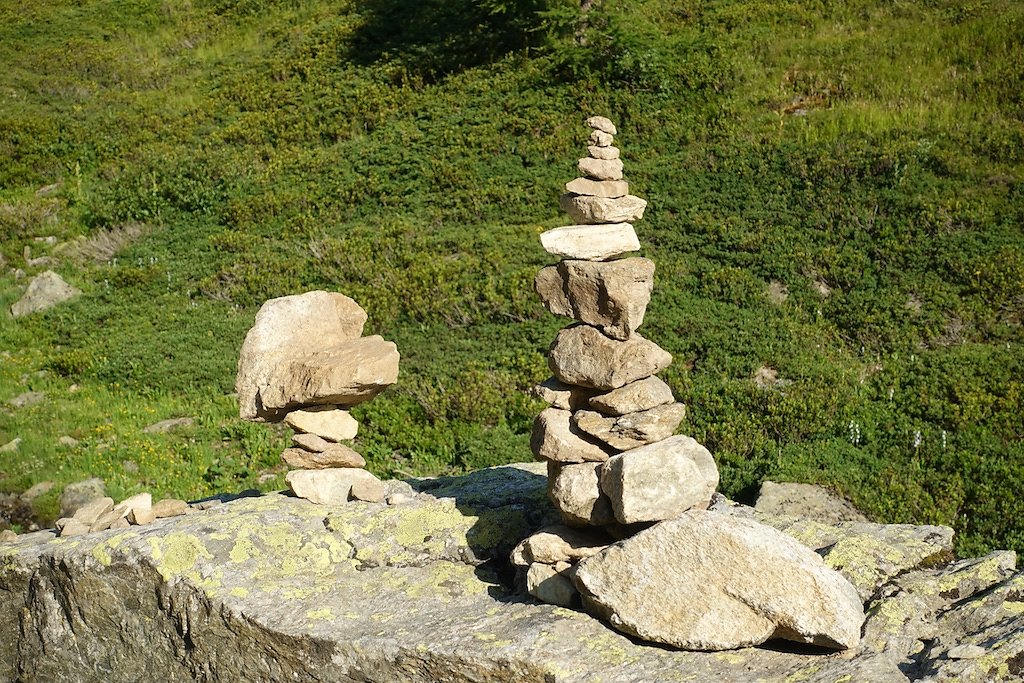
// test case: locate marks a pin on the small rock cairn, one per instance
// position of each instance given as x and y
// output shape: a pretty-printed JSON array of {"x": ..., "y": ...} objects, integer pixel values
[
  {"x": 305, "y": 362},
  {"x": 100, "y": 514},
  {"x": 614, "y": 466}
]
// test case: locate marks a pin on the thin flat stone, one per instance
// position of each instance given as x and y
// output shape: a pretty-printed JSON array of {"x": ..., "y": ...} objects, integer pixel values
[
  {"x": 91, "y": 511},
  {"x": 169, "y": 507},
  {"x": 633, "y": 429},
  {"x": 603, "y": 152},
  {"x": 591, "y": 242},
  {"x": 609, "y": 189},
  {"x": 643, "y": 394},
  {"x": 588, "y": 210},
  {"x": 328, "y": 422},
  {"x": 336, "y": 455},
  {"x": 311, "y": 442},
  {"x": 600, "y": 169}
]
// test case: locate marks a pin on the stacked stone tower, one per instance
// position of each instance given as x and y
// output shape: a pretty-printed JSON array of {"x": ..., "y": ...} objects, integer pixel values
[
  {"x": 305, "y": 362},
  {"x": 607, "y": 436}
]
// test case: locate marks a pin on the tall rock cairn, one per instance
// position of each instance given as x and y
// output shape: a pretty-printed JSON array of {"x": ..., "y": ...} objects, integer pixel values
[
  {"x": 304, "y": 362},
  {"x": 607, "y": 436}
]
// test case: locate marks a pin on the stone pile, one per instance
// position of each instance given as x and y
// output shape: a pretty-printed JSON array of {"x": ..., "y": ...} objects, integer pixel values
[
  {"x": 608, "y": 436},
  {"x": 637, "y": 546},
  {"x": 100, "y": 514},
  {"x": 304, "y": 362}
]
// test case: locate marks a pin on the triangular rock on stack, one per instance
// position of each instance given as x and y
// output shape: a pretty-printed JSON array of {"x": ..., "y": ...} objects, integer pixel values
[{"x": 304, "y": 362}]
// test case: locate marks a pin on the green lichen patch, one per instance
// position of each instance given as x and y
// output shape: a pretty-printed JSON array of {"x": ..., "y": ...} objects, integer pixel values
[
  {"x": 417, "y": 534},
  {"x": 176, "y": 554}
]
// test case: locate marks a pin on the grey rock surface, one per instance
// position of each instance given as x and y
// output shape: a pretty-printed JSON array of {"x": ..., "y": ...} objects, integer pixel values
[
  {"x": 564, "y": 396},
  {"x": 346, "y": 373},
  {"x": 806, "y": 501},
  {"x": 588, "y": 210},
  {"x": 274, "y": 588},
  {"x": 287, "y": 327},
  {"x": 591, "y": 242},
  {"x": 659, "y": 481},
  {"x": 601, "y": 169},
  {"x": 334, "y": 455},
  {"x": 611, "y": 296},
  {"x": 168, "y": 425},
  {"x": 26, "y": 399},
  {"x": 709, "y": 581},
  {"x": 45, "y": 291},
  {"x": 643, "y": 394},
  {"x": 575, "y": 491},
  {"x": 328, "y": 422},
  {"x": 582, "y": 355},
  {"x": 633, "y": 429},
  {"x": 554, "y": 438},
  {"x": 79, "y": 493}
]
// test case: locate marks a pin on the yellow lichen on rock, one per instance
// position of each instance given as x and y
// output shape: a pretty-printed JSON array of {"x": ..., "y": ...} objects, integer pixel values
[{"x": 175, "y": 555}]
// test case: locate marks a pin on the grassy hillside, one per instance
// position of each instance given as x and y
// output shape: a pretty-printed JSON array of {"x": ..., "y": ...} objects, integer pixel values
[{"x": 836, "y": 202}]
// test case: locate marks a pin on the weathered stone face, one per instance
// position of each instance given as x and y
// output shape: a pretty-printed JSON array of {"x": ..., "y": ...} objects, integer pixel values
[
  {"x": 334, "y": 455},
  {"x": 603, "y": 124},
  {"x": 328, "y": 422},
  {"x": 600, "y": 138},
  {"x": 603, "y": 152},
  {"x": 347, "y": 373},
  {"x": 659, "y": 481},
  {"x": 397, "y": 593},
  {"x": 598, "y": 188},
  {"x": 643, "y": 394},
  {"x": 707, "y": 581},
  {"x": 575, "y": 491},
  {"x": 46, "y": 290},
  {"x": 601, "y": 169},
  {"x": 633, "y": 429},
  {"x": 564, "y": 396},
  {"x": 591, "y": 242},
  {"x": 287, "y": 327},
  {"x": 807, "y": 501},
  {"x": 560, "y": 543},
  {"x": 556, "y": 439},
  {"x": 582, "y": 355},
  {"x": 611, "y": 296},
  {"x": 334, "y": 486},
  {"x": 587, "y": 210}
]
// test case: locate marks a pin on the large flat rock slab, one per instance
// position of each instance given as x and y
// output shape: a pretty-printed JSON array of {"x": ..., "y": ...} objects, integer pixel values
[{"x": 275, "y": 588}]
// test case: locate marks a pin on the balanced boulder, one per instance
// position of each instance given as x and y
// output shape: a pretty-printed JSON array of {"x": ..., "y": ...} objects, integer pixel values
[{"x": 286, "y": 328}]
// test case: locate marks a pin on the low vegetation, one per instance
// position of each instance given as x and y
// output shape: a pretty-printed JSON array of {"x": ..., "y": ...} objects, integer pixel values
[{"x": 836, "y": 211}]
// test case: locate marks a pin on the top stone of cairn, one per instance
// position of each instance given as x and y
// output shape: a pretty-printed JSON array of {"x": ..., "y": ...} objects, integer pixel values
[{"x": 602, "y": 124}]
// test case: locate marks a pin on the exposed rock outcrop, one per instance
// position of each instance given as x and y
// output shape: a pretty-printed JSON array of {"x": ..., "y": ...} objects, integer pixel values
[{"x": 275, "y": 588}]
